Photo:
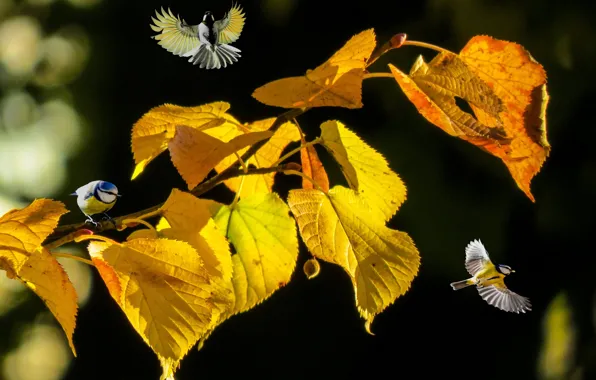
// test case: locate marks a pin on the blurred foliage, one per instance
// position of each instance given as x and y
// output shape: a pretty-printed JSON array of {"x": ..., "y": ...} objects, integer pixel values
[{"x": 75, "y": 75}]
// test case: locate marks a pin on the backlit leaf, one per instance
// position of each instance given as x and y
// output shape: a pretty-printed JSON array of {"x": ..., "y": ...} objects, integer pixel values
[
  {"x": 520, "y": 82},
  {"x": 439, "y": 83},
  {"x": 163, "y": 288},
  {"x": 512, "y": 128},
  {"x": 365, "y": 169},
  {"x": 22, "y": 232},
  {"x": 335, "y": 83},
  {"x": 188, "y": 218},
  {"x": 341, "y": 229},
  {"x": 313, "y": 167},
  {"x": 152, "y": 132},
  {"x": 195, "y": 153},
  {"x": 266, "y": 156},
  {"x": 266, "y": 244}
]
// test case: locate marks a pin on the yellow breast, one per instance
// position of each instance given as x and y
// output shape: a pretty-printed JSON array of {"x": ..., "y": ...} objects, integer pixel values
[{"x": 93, "y": 206}]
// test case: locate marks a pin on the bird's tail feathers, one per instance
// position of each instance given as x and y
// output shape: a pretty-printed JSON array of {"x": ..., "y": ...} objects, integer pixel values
[
  {"x": 462, "y": 284},
  {"x": 214, "y": 56}
]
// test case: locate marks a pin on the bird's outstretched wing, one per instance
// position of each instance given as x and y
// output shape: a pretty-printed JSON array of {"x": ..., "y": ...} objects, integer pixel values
[
  {"x": 476, "y": 257},
  {"x": 230, "y": 26},
  {"x": 175, "y": 35},
  {"x": 505, "y": 299}
]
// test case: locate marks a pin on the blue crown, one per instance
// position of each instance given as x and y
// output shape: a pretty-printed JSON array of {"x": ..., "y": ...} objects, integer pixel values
[{"x": 107, "y": 187}]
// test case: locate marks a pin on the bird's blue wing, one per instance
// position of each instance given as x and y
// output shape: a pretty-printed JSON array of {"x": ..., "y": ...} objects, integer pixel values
[
  {"x": 476, "y": 257},
  {"x": 505, "y": 299}
]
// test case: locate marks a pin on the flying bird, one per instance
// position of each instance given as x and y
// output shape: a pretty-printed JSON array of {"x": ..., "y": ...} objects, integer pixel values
[
  {"x": 489, "y": 280},
  {"x": 96, "y": 197},
  {"x": 207, "y": 44}
]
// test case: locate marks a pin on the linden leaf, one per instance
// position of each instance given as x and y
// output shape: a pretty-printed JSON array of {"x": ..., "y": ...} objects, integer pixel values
[
  {"x": 365, "y": 169},
  {"x": 152, "y": 132},
  {"x": 520, "y": 82},
  {"x": 313, "y": 167},
  {"x": 188, "y": 218},
  {"x": 340, "y": 228},
  {"x": 439, "y": 83},
  {"x": 266, "y": 244},
  {"x": 335, "y": 83},
  {"x": 195, "y": 153},
  {"x": 266, "y": 156},
  {"x": 164, "y": 290},
  {"x": 22, "y": 232}
]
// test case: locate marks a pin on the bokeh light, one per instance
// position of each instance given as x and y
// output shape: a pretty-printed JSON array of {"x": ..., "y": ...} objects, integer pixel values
[
  {"x": 84, "y": 3},
  {"x": 43, "y": 354},
  {"x": 20, "y": 42}
]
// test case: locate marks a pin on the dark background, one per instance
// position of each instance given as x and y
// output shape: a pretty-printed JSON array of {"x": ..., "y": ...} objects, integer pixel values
[{"x": 456, "y": 193}]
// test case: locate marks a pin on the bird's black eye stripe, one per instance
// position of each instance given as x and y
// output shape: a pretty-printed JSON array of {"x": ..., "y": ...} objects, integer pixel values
[{"x": 107, "y": 192}]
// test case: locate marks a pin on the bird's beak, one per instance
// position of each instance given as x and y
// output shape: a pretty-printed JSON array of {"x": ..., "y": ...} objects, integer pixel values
[
  {"x": 73, "y": 193},
  {"x": 118, "y": 195}
]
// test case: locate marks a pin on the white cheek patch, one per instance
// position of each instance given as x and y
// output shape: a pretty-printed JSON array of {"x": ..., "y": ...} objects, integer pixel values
[{"x": 106, "y": 197}]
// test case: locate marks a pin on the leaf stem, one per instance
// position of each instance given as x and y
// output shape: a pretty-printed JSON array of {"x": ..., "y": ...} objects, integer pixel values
[
  {"x": 378, "y": 75},
  {"x": 427, "y": 45},
  {"x": 294, "y": 151},
  {"x": 140, "y": 221},
  {"x": 73, "y": 257},
  {"x": 296, "y": 172},
  {"x": 242, "y": 163}
]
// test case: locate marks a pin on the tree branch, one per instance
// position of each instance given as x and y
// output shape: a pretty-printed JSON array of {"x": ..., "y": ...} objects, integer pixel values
[
  {"x": 235, "y": 170},
  {"x": 106, "y": 225}
]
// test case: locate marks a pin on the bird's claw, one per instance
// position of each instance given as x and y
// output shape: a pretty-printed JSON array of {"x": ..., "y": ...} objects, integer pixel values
[{"x": 94, "y": 223}]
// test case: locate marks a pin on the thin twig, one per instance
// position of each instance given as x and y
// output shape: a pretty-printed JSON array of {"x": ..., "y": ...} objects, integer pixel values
[
  {"x": 428, "y": 46},
  {"x": 378, "y": 75}
]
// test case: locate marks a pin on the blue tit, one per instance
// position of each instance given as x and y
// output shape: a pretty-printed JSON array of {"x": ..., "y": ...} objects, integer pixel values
[
  {"x": 489, "y": 280},
  {"x": 96, "y": 197},
  {"x": 207, "y": 44}
]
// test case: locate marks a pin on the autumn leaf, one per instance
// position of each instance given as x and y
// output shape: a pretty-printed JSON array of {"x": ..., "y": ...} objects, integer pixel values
[
  {"x": 313, "y": 167},
  {"x": 335, "y": 83},
  {"x": 520, "y": 82},
  {"x": 506, "y": 90},
  {"x": 439, "y": 83},
  {"x": 195, "y": 153},
  {"x": 366, "y": 170},
  {"x": 152, "y": 132},
  {"x": 22, "y": 232},
  {"x": 340, "y": 228},
  {"x": 163, "y": 288},
  {"x": 264, "y": 237},
  {"x": 188, "y": 218},
  {"x": 266, "y": 156}
]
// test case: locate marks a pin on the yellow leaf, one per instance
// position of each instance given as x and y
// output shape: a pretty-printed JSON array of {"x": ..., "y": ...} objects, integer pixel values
[
  {"x": 520, "y": 82},
  {"x": 264, "y": 237},
  {"x": 164, "y": 290},
  {"x": 152, "y": 132},
  {"x": 313, "y": 167},
  {"x": 188, "y": 218},
  {"x": 341, "y": 229},
  {"x": 335, "y": 83},
  {"x": 22, "y": 232},
  {"x": 195, "y": 153},
  {"x": 366, "y": 170},
  {"x": 266, "y": 156}
]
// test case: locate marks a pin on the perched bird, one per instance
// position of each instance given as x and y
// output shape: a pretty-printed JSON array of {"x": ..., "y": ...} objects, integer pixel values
[
  {"x": 489, "y": 280},
  {"x": 96, "y": 197},
  {"x": 207, "y": 44}
]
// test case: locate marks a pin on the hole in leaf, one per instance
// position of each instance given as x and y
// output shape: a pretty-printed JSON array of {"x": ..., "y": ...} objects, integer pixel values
[{"x": 463, "y": 105}]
